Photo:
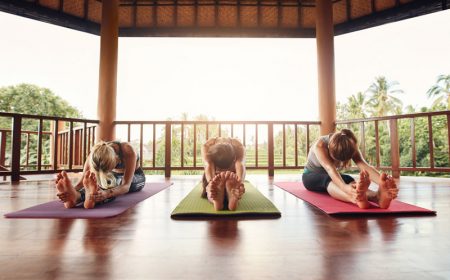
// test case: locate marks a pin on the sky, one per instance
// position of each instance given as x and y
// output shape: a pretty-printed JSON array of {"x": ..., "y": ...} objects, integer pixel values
[{"x": 225, "y": 79}]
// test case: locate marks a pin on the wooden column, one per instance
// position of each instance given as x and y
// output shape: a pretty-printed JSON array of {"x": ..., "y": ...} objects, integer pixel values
[
  {"x": 16, "y": 145},
  {"x": 395, "y": 148},
  {"x": 109, "y": 39},
  {"x": 270, "y": 148},
  {"x": 325, "y": 65}
]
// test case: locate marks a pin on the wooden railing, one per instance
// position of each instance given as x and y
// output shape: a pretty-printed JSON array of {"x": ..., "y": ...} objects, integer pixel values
[
  {"x": 65, "y": 150},
  {"x": 405, "y": 140},
  {"x": 270, "y": 145},
  {"x": 265, "y": 142}
]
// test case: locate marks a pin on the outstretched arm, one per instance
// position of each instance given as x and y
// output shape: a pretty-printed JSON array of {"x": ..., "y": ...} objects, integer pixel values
[
  {"x": 129, "y": 158},
  {"x": 208, "y": 164},
  {"x": 239, "y": 164},
  {"x": 79, "y": 185},
  {"x": 374, "y": 175}
]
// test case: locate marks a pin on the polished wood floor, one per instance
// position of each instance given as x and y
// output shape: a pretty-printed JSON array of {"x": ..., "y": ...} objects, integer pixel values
[{"x": 145, "y": 243}]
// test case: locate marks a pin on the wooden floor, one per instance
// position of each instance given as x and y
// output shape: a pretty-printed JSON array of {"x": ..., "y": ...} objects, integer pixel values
[{"x": 145, "y": 243}]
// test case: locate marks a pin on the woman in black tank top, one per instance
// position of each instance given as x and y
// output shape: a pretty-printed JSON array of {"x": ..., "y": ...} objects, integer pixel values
[{"x": 331, "y": 153}]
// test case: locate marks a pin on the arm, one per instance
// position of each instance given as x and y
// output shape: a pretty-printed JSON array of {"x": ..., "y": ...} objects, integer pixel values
[
  {"x": 321, "y": 151},
  {"x": 374, "y": 175},
  {"x": 129, "y": 158},
  {"x": 79, "y": 185},
  {"x": 208, "y": 165},
  {"x": 240, "y": 170},
  {"x": 239, "y": 165}
]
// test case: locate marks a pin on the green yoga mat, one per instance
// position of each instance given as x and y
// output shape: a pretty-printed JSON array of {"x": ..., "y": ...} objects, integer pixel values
[{"x": 252, "y": 203}]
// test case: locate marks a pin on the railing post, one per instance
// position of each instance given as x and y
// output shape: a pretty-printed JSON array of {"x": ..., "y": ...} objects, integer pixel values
[
  {"x": 2, "y": 148},
  {"x": 395, "y": 150},
  {"x": 39, "y": 155},
  {"x": 15, "y": 147},
  {"x": 448, "y": 135},
  {"x": 270, "y": 149},
  {"x": 168, "y": 151},
  {"x": 55, "y": 145},
  {"x": 70, "y": 144}
]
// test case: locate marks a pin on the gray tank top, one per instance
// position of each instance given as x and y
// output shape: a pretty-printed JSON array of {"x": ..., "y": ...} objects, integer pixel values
[{"x": 313, "y": 164}]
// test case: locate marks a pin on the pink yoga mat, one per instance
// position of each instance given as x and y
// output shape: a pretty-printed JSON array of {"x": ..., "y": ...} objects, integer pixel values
[
  {"x": 55, "y": 209},
  {"x": 332, "y": 206}
]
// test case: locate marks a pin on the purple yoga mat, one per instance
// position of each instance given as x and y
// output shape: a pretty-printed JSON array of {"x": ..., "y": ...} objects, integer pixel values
[{"x": 55, "y": 209}]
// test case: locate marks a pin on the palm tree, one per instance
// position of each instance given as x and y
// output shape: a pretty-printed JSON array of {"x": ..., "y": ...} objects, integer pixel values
[
  {"x": 355, "y": 107},
  {"x": 382, "y": 100},
  {"x": 441, "y": 90}
]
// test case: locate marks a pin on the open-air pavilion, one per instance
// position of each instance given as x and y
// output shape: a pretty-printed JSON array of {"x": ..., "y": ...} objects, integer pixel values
[{"x": 145, "y": 242}]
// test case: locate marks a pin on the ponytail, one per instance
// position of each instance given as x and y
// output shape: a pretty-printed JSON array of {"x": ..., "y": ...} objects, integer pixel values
[{"x": 102, "y": 161}]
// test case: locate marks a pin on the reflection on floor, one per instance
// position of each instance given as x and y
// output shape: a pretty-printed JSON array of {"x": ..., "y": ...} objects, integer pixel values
[{"x": 145, "y": 243}]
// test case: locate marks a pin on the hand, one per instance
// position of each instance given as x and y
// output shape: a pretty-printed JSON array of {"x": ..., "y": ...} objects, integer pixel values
[
  {"x": 63, "y": 196},
  {"x": 352, "y": 192},
  {"x": 101, "y": 195},
  {"x": 241, "y": 190},
  {"x": 241, "y": 185}
]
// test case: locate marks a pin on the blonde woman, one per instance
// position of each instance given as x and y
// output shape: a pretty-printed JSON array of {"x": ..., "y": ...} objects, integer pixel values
[
  {"x": 333, "y": 152},
  {"x": 112, "y": 169}
]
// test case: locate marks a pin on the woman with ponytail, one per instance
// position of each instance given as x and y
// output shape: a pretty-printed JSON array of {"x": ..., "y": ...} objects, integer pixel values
[
  {"x": 111, "y": 169},
  {"x": 333, "y": 152}
]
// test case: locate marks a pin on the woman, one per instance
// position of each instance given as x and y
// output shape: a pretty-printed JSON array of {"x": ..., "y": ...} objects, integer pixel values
[
  {"x": 224, "y": 175},
  {"x": 112, "y": 169},
  {"x": 333, "y": 152}
]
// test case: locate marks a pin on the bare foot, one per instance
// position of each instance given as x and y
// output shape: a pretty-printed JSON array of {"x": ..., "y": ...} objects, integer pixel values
[
  {"x": 387, "y": 190},
  {"x": 234, "y": 191},
  {"x": 66, "y": 192},
  {"x": 361, "y": 189},
  {"x": 90, "y": 187},
  {"x": 392, "y": 187},
  {"x": 215, "y": 192}
]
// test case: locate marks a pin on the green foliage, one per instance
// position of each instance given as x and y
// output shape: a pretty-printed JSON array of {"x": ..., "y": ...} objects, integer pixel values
[
  {"x": 441, "y": 91},
  {"x": 382, "y": 100},
  {"x": 379, "y": 100},
  {"x": 33, "y": 100}
]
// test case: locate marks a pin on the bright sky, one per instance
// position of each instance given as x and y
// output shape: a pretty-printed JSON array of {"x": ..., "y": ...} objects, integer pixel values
[{"x": 228, "y": 79}]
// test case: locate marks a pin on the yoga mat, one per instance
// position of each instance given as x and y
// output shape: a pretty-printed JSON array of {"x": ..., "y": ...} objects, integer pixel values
[
  {"x": 252, "y": 203},
  {"x": 332, "y": 206},
  {"x": 56, "y": 209}
]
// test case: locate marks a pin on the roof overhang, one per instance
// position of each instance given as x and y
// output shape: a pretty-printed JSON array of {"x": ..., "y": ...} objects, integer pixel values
[{"x": 221, "y": 18}]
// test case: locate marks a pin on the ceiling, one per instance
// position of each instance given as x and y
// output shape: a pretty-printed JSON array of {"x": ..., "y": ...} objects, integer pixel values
[{"x": 221, "y": 18}]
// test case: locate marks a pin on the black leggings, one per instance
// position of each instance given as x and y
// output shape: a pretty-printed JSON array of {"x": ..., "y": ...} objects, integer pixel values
[
  {"x": 137, "y": 184},
  {"x": 318, "y": 182}
]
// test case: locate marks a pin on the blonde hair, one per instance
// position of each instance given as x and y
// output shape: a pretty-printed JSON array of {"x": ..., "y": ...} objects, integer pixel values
[
  {"x": 102, "y": 161},
  {"x": 342, "y": 146}
]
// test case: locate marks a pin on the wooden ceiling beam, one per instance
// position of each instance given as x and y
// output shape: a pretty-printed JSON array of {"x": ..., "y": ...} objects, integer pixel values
[{"x": 217, "y": 32}]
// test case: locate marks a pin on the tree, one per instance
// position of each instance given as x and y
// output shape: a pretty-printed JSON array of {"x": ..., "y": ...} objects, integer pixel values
[
  {"x": 441, "y": 90},
  {"x": 33, "y": 100},
  {"x": 356, "y": 106},
  {"x": 382, "y": 100}
]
